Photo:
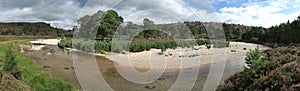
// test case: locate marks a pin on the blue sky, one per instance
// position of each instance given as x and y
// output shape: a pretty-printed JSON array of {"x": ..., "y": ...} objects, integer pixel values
[{"x": 65, "y": 13}]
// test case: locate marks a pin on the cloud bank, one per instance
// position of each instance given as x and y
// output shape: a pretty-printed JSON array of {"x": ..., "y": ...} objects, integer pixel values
[{"x": 65, "y": 13}]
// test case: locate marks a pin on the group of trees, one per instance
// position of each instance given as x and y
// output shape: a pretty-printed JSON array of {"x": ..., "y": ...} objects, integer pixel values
[
  {"x": 107, "y": 24},
  {"x": 12, "y": 32},
  {"x": 101, "y": 24},
  {"x": 282, "y": 34},
  {"x": 119, "y": 46},
  {"x": 104, "y": 25}
]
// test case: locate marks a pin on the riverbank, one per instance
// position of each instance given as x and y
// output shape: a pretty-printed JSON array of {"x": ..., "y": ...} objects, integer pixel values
[
  {"x": 194, "y": 56},
  {"x": 173, "y": 57},
  {"x": 60, "y": 64},
  {"x": 31, "y": 74}
]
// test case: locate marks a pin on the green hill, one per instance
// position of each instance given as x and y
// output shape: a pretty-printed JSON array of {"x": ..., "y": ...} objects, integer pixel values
[{"x": 26, "y": 28}]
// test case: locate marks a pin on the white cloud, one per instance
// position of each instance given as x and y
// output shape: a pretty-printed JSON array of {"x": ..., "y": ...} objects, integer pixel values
[
  {"x": 264, "y": 14},
  {"x": 62, "y": 13},
  {"x": 162, "y": 11}
]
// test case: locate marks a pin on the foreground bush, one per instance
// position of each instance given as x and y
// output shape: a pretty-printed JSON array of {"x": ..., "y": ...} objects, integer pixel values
[
  {"x": 278, "y": 72},
  {"x": 10, "y": 64}
]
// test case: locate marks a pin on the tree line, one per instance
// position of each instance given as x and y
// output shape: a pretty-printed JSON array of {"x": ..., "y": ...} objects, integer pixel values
[{"x": 134, "y": 46}]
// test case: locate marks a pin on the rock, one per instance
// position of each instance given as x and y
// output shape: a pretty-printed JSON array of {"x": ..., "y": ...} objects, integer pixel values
[
  {"x": 22, "y": 50},
  {"x": 66, "y": 68},
  {"x": 233, "y": 50},
  {"x": 124, "y": 52},
  {"x": 244, "y": 48},
  {"x": 49, "y": 53},
  {"x": 148, "y": 87},
  {"x": 160, "y": 53},
  {"x": 45, "y": 67}
]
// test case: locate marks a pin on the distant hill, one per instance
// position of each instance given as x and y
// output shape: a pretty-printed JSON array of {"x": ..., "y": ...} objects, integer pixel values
[{"x": 26, "y": 28}]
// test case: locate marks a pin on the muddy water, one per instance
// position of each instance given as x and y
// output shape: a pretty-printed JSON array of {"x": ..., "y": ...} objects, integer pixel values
[{"x": 59, "y": 64}]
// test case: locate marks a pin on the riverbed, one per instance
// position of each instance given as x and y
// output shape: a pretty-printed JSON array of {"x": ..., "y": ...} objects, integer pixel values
[{"x": 59, "y": 64}]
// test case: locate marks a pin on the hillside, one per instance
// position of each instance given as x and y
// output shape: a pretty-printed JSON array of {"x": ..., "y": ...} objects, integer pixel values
[{"x": 26, "y": 28}]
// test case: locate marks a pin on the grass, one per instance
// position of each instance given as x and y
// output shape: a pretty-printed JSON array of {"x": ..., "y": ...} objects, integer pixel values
[{"x": 31, "y": 74}]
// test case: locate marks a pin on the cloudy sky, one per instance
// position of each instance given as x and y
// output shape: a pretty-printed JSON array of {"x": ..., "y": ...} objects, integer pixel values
[{"x": 65, "y": 13}]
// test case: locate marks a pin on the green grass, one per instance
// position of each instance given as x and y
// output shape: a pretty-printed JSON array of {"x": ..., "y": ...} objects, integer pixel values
[{"x": 31, "y": 74}]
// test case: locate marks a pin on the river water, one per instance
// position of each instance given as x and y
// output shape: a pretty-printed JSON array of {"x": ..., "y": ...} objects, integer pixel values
[{"x": 59, "y": 64}]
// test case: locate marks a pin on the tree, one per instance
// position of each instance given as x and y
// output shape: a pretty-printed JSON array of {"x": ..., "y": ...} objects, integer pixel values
[
  {"x": 148, "y": 24},
  {"x": 109, "y": 24},
  {"x": 253, "y": 58},
  {"x": 103, "y": 24}
]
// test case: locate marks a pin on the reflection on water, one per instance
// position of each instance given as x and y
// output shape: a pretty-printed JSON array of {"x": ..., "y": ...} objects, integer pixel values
[{"x": 60, "y": 64}]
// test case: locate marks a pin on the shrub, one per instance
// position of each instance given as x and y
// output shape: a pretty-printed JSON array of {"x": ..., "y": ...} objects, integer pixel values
[
  {"x": 135, "y": 46},
  {"x": 253, "y": 57},
  {"x": 10, "y": 64}
]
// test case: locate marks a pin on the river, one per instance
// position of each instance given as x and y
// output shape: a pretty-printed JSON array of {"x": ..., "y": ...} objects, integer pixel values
[{"x": 59, "y": 64}]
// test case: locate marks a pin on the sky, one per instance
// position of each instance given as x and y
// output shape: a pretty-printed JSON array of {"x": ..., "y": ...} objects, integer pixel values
[{"x": 65, "y": 13}]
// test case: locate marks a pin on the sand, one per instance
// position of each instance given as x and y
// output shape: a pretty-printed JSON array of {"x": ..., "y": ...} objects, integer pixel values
[
  {"x": 181, "y": 58},
  {"x": 46, "y": 41},
  {"x": 171, "y": 59}
]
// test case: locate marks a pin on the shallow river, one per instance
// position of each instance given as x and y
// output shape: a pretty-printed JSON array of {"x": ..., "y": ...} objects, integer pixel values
[{"x": 59, "y": 64}]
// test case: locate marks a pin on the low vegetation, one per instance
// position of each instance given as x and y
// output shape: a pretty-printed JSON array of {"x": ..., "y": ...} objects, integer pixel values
[
  {"x": 135, "y": 46},
  {"x": 27, "y": 71},
  {"x": 273, "y": 70}
]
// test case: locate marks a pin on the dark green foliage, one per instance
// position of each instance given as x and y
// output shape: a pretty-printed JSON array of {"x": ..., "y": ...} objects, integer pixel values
[
  {"x": 67, "y": 42},
  {"x": 37, "y": 29},
  {"x": 12, "y": 32},
  {"x": 103, "y": 24},
  {"x": 68, "y": 34},
  {"x": 10, "y": 64},
  {"x": 109, "y": 24},
  {"x": 284, "y": 33},
  {"x": 253, "y": 58}
]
